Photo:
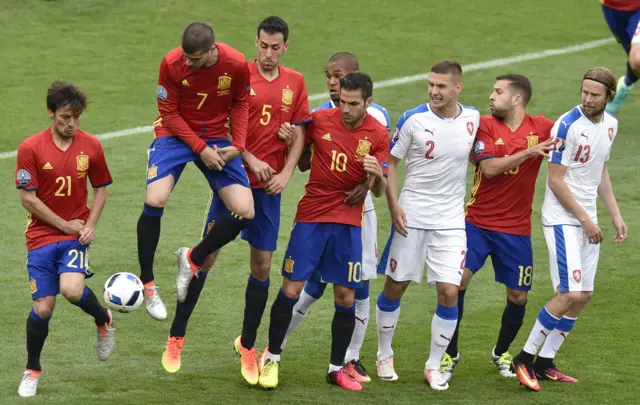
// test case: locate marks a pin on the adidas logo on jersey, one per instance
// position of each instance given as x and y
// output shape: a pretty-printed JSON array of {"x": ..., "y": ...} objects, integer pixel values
[
  {"x": 252, "y": 93},
  {"x": 327, "y": 137},
  {"x": 47, "y": 166},
  {"x": 185, "y": 83},
  {"x": 499, "y": 142}
]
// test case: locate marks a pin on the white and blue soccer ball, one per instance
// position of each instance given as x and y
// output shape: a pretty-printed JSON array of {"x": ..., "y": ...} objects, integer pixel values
[{"x": 123, "y": 292}]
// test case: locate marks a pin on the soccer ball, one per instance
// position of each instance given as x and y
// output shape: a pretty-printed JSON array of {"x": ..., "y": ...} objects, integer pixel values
[{"x": 123, "y": 292}]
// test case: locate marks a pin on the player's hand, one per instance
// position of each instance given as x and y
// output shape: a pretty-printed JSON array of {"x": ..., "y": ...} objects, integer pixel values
[
  {"x": 74, "y": 227},
  {"x": 372, "y": 167},
  {"x": 277, "y": 183},
  {"x": 286, "y": 133},
  {"x": 399, "y": 219},
  {"x": 87, "y": 234},
  {"x": 211, "y": 159},
  {"x": 621, "y": 230},
  {"x": 227, "y": 153},
  {"x": 541, "y": 149},
  {"x": 593, "y": 232},
  {"x": 261, "y": 169},
  {"x": 358, "y": 194}
]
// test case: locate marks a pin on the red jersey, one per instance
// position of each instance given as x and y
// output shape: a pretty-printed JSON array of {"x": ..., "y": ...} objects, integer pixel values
[
  {"x": 197, "y": 104},
  {"x": 336, "y": 166},
  {"x": 622, "y": 5},
  {"x": 271, "y": 104},
  {"x": 503, "y": 203},
  {"x": 59, "y": 179}
]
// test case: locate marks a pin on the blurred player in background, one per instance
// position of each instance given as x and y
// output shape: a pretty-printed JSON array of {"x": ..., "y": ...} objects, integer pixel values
[
  {"x": 623, "y": 18},
  {"x": 338, "y": 66},
  {"x": 577, "y": 176},
  {"x": 508, "y": 152},
  {"x": 278, "y": 110},
  {"x": 428, "y": 218},
  {"x": 348, "y": 146},
  {"x": 201, "y": 86},
  {"x": 51, "y": 175}
]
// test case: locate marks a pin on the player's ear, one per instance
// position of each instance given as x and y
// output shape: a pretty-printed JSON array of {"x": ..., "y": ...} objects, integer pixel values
[
  {"x": 51, "y": 113},
  {"x": 256, "y": 42},
  {"x": 286, "y": 46},
  {"x": 368, "y": 102}
]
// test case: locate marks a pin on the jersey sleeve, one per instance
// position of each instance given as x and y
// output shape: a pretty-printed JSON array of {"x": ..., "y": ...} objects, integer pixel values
[
  {"x": 401, "y": 138},
  {"x": 564, "y": 143},
  {"x": 381, "y": 152},
  {"x": 168, "y": 94},
  {"x": 484, "y": 147},
  {"x": 240, "y": 108},
  {"x": 301, "y": 114},
  {"x": 27, "y": 169},
  {"x": 98, "y": 171}
]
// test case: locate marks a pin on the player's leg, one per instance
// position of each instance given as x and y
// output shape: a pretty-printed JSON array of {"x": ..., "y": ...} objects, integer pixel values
[
  {"x": 312, "y": 291},
  {"x": 298, "y": 264},
  {"x": 405, "y": 264},
  {"x": 623, "y": 25},
  {"x": 544, "y": 366},
  {"x": 262, "y": 235},
  {"x": 513, "y": 263},
  {"x": 167, "y": 158},
  {"x": 43, "y": 280},
  {"x": 362, "y": 301},
  {"x": 73, "y": 265},
  {"x": 446, "y": 253},
  {"x": 477, "y": 253}
]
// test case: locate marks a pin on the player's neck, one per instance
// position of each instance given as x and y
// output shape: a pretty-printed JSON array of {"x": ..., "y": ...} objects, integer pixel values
[
  {"x": 515, "y": 120},
  {"x": 447, "y": 111},
  {"x": 596, "y": 119},
  {"x": 269, "y": 75},
  {"x": 61, "y": 142},
  {"x": 356, "y": 124},
  {"x": 213, "y": 59}
]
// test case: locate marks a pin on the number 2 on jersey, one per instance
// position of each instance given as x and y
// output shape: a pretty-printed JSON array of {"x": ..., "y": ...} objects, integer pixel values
[
  {"x": 430, "y": 146},
  {"x": 65, "y": 183}
]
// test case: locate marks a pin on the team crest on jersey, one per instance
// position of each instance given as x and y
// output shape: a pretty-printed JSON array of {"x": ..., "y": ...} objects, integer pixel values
[
  {"x": 577, "y": 276},
  {"x": 152, "y": 172},
  {"x": 363, "y": 149},
  {"x": 610, "y": 134},
  {"x": 287, "y": 96},
  {"x": 470, "y": 128},
  {"x": 288, "y": 265},
  {"x": 33, "y": 286},
  {"x": 224, "y": 82},
  {"x": 82, "y": 163},
  {"x": 532, "y": 139},
  {"x": 393, "y": 264},
  {"x": 23, "y": 177}
]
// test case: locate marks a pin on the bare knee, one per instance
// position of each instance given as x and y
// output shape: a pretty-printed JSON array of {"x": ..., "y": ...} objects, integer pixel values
[
  {"x": 260, "y": 264},
  {"x": 291, "y": 288},
  {"x": 73, "y": 293},
  {"x": 447, "y": 294},
  {"x": 517, "y": 297},
  {"x": 394, "y": 290},
  {"x": 239, "y": 200},
  {"x": 44, "y": 306},
  {"x": 158, "y": 192},
  {"x": 344, "y": 296}
]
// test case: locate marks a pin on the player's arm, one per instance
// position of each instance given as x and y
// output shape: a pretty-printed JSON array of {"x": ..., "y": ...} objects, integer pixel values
[
  {"x": 278, "y": 182},
  {"x": 88, "y": 233},
  {"x": 605, "y": 192},
  {"x": 304, "y": 163},
  {"x": 168, "y": 95},
  {"x": 37, "y": 208},
  {"x": 240, "y": 109}
]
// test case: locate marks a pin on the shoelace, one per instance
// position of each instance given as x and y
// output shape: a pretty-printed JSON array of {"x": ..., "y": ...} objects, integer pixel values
[
  {"x": 446, "y": 363},
  {"x": 268, "y": 367},
  {"x": 359, "y": 367},
  {"x": 174, "y": 347},
  {"x": 30, "y": 380},
  {"x": 385, "y": 366},
  {"x": 251, "y": 357},
  {"x": 505, "y": 359}
]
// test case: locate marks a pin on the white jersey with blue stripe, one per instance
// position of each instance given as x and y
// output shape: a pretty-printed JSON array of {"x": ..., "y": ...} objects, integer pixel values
[
  {"x": 583, "y": 147},
  {"x": 376, "y": 111},
  {"x": 435, "y": 177}
]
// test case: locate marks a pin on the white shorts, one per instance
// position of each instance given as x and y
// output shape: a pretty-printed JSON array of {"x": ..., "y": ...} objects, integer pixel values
[
  {"x": 442, "y": 251},
  {"x": 572, "y": 260},
  {"x": 369, "y": 245},
  {"x": 636, "y": 36}
]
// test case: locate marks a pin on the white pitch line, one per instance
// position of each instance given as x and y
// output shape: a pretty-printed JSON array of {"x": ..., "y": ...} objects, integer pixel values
[{"x": 404, "y": 80}]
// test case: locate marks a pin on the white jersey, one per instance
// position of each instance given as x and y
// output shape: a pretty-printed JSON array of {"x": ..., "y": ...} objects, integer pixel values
[
  {"x": 584, "y": 148},
  {"x": 437, "y": 151},
  {"x": 379, "y": 113}
]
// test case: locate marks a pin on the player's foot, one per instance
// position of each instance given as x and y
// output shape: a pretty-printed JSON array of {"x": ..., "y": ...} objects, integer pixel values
[
  {"x": 171, "y": 356},
  {"x": 357, "y": 371},
  {"x": 269, "y": 374},
  {"x": 248, "y": 362},
  {"x": 553, "y": 374},
  {"x": 342, "y": 379},
  {"x": 447, "y": 364},
  {"x": 435, "y": 379},
  {"x": 525, "y": 373},
  {"x": 622, "y": 91},
  {"x": 503, "y": 363},
  {"x": 106, "y": 341},
  {"x": 185, "y": 273},
  {"x": 154, "y": 305},
  {"x": 29, "y": 383},
  {"x": 385, "y": 369},
  {"x": 262, "y": 358}
]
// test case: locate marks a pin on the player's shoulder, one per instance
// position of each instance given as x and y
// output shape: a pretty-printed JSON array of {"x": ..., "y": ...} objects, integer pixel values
[
  {"x": 34, "y": 140},
  {"x": 540, "y": 120},
  {"x": 291, "y": 73},
  {"x": 324, "y": 106},
  {"x": 610, "y": 119},
  {"x": 231, "y": 55},
  {"x": 87, "y": 139},
  {"x": 322, "y": 113},
  {"x": 569, "y": 120},
  {"x": 174, "y": 56},
  {"x": 469, "y": 111},
  {"x": 411, "y": 114}
]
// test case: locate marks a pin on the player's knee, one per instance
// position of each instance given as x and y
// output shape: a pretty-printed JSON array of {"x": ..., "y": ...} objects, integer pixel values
[
  {"x": 72, "y": 292},
  {"x": 292, "y": 289},
  {"x": 466, "y": 279},
  {"x": 44, "y": 306},
  {"x": 245, "y": 210},
  {"x": 447, "y": 294},
  {"x": 158, "y": 193},
  {"x": 585, "y": 297},
  {"x": 517, "y": 297},
  {"x": 345, "y": 297},
  {"x": 394, "y": 290},
  {"x": 261, "y": 267}
]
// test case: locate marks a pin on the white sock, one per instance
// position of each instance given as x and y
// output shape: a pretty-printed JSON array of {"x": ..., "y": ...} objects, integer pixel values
[
  {"x": 362, "y": 320},
  {"x": 387, "y": 323},
  {"x": 299, "y": 313},
  {"x": 271, "y": 356},
  {"x": 545, "y": 323},
  {"x": 441, "y": 333},
  {"x": 556, "y": 338}
]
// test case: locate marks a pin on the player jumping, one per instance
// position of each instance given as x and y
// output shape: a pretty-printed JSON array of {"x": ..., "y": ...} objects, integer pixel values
[
  {"x": 51, "y": 175},
  {"x": 577, "y": 176}
]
